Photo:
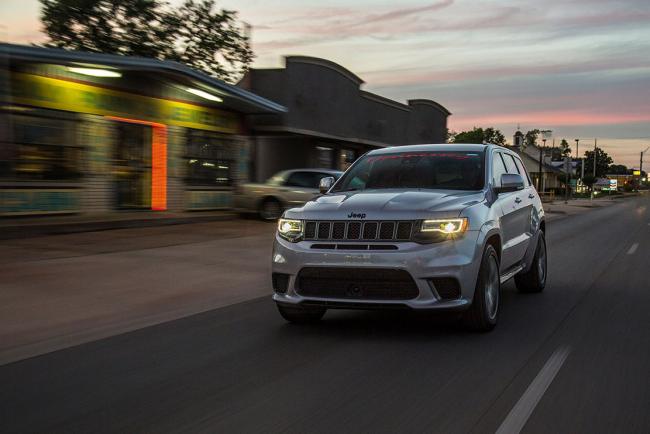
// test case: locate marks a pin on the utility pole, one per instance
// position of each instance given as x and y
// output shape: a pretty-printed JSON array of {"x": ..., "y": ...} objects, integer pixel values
[
  {"x": 595, "y": 152},
  {"x": 641, "y": 165},
  {"x": 539, "y": 179}
]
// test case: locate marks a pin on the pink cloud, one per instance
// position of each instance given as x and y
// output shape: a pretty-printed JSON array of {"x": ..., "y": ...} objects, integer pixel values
[{"x": 550, "y": 118}]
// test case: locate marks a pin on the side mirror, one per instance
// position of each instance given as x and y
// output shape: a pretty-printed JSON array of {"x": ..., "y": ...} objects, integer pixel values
[
  {"x": 510, "y": 182},
  {"x": 325, "y": 184}
]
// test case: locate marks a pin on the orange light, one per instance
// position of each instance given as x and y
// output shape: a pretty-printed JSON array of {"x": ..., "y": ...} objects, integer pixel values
[{"x": 158, "y": 161}]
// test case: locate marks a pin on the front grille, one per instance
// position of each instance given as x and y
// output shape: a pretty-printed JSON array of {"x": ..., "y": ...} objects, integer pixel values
[
  {"x": 355, "y": 230},
  {"x": 356, "y": 283},
  {"x": 446, "y": 287},
  {"x": 370, "y": 230},
  {"x": 324, "y": 230}
]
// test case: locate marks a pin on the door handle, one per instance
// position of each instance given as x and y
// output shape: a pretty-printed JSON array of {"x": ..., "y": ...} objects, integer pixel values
[
  {"x": 531, "y": 196},
  {"x": 517, "y": 200}
]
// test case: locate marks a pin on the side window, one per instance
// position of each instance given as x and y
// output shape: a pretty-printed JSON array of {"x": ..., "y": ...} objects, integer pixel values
[
  {"x": 299, "y": 179},
  {"x": 523, "y": 172},
  {"x": 510, "y": 163},
  {"x": 305, "y": 179},
  {"x": 498, "y": 168}
]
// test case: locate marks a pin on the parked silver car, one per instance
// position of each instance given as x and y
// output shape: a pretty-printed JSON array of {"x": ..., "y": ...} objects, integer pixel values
[
  {"x": 428, "y": 227},
  {"x": 287, "y": 189}
]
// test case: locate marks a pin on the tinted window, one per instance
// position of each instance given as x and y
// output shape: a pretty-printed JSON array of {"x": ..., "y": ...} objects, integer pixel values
[
  {"x": 498, "y": 169},
  {"x": 443, "y": 170},
  {"x": 510, "y": 163},
  {"x": 522, "y": 170},
  {"x": 305, "y": 179}
]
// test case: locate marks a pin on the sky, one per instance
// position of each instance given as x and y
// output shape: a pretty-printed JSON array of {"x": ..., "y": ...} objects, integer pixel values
[{"x": 580, "y": 68}]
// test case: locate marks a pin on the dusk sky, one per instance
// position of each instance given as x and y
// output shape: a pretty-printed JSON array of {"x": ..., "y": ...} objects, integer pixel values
[{"x": 580, "y": 68}]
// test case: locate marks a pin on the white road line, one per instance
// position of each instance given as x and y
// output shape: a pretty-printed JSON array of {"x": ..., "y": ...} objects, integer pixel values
[
  {"x": 633, "y": 249},
  {"x": 522, "y": 410}
]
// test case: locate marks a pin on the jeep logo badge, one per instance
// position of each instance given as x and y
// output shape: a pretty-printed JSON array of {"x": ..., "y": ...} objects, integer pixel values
[{"x": 354, "y": 215}]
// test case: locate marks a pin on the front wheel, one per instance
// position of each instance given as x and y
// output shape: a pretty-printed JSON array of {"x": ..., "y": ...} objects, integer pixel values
[
  {"x": 270, "y": 209},
  {"x": 301, "y": 315},
  {"x": 534, "y": 280},
  {"x": 484, "y": 311}
]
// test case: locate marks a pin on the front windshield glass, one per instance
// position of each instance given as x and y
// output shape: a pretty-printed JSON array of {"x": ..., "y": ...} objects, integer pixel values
[
  {"x": 277, "y": 179},
  {"x": 435, "y": 170}
]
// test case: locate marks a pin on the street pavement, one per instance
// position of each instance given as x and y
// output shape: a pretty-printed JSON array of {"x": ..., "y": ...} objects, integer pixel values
[{"x": 573, "y": 359}]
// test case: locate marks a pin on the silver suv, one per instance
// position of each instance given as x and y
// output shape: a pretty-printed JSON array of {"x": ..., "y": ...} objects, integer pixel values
[{"x": 426, "y": 227}]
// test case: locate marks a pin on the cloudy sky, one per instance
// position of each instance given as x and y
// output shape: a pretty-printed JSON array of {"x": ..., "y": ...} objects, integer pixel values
[{"x": 578, "y": 67}]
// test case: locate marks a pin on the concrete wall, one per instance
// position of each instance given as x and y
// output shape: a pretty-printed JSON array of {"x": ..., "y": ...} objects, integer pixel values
[{"x": 325, "y": 98}]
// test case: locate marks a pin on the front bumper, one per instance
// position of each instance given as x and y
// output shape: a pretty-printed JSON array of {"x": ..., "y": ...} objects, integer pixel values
[{"x": 459, "y": 259}]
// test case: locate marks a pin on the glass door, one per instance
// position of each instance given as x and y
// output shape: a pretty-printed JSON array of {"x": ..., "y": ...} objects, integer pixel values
[{"x": 132, "y": 166}]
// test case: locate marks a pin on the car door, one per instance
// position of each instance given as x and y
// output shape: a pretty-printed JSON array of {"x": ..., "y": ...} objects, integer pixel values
[
  {"x": 506, "y": 206},
  {"x": 529, "y": 197},
  {"x": 516, "y": 207}
]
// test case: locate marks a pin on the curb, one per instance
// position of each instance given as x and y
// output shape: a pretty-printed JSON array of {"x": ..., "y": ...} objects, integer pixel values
[{"x": 30, "y": 231}]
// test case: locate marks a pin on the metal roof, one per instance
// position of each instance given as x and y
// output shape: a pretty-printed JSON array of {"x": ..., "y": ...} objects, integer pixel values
[{"x": 246, "y": 101}]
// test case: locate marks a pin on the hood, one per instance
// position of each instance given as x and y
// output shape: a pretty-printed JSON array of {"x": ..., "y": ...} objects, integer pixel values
[{"x": 387, "y": 204}]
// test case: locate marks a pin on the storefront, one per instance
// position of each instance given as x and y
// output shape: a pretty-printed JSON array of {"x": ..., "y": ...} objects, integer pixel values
[
  {"x": 330, "y": 120},
  {"x": 92, "y": 133}
]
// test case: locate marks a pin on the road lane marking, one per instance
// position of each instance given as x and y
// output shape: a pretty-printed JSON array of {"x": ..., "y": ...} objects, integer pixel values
[
  {"x": 518, "y": 416},
  {"x": 633, "y": 249}
]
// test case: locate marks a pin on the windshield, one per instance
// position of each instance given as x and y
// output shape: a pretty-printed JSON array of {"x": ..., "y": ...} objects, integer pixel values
[
  {"x": 441, "y": 170},
  {"x": 278, "y": 179}
]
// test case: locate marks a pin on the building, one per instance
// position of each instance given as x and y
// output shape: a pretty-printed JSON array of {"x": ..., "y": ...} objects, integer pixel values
[
  {"x": 95, "y": 133},
  {"x": 530, "y": 156},
  {"x": 330, "y": 120}
]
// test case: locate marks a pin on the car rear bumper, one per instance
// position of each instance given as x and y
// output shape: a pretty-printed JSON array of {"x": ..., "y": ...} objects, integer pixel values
[{"x": 428, "y": 265}]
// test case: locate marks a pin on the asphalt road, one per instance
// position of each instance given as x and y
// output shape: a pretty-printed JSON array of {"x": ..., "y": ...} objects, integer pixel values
[{"x": 574, "y": 359}]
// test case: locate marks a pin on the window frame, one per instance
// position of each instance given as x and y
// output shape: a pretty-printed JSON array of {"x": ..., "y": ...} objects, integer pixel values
[
  {"x": 67, "y": 155},
  {"x": 192, "y": 155},
  {"x": 497, "y": 154}
]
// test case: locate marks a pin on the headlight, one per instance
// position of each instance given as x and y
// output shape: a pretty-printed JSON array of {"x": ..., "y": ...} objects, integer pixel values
[
  {"x": 290, "y": 230},
  {"x": 435, "y": 231},
  {"x": 445, "y": 226}
]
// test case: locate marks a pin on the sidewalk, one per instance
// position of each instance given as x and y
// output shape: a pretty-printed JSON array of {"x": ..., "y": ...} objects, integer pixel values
[
  {"x": 560, "y": 208},
  {"x": 64, "y": 290},
  {"x": 26, "y": 227}
]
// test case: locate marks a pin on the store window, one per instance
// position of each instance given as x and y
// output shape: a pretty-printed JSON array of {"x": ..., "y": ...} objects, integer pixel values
[
  {"x": 34, "y": 148},
  {"x": 323, "y": 157},
  {"x": 209, "y": 159},
  {"x": 346, "y": 158}
]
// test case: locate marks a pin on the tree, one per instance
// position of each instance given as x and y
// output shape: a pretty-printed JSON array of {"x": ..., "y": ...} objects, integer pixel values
[
  {"x": 211, "y": 40},
  {"x": 530, "y": 138},
  {"x": 480, "y": 135},
  {"x": 618, "y": 169},
  {"x": 562, "y": 151},
  {"x": 589, "y": 180},
  {"x": 195, "y": 33},
  {"x": 603, "y": 161},
  {"x": 565, "y": 149}
]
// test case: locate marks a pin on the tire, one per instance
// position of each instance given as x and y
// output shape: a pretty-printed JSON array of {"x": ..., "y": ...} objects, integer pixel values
[
  {"x": 270, "y": 209},
  {"x": 534, "y": 280},
  {"x": 483, "y": 314},
  {"x": 301, "y": 315}
]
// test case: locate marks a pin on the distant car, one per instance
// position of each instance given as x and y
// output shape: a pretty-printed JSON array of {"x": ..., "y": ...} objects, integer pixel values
[
  {"x": 428, "y": 227},
  {"x": 286, "y": 189}
]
